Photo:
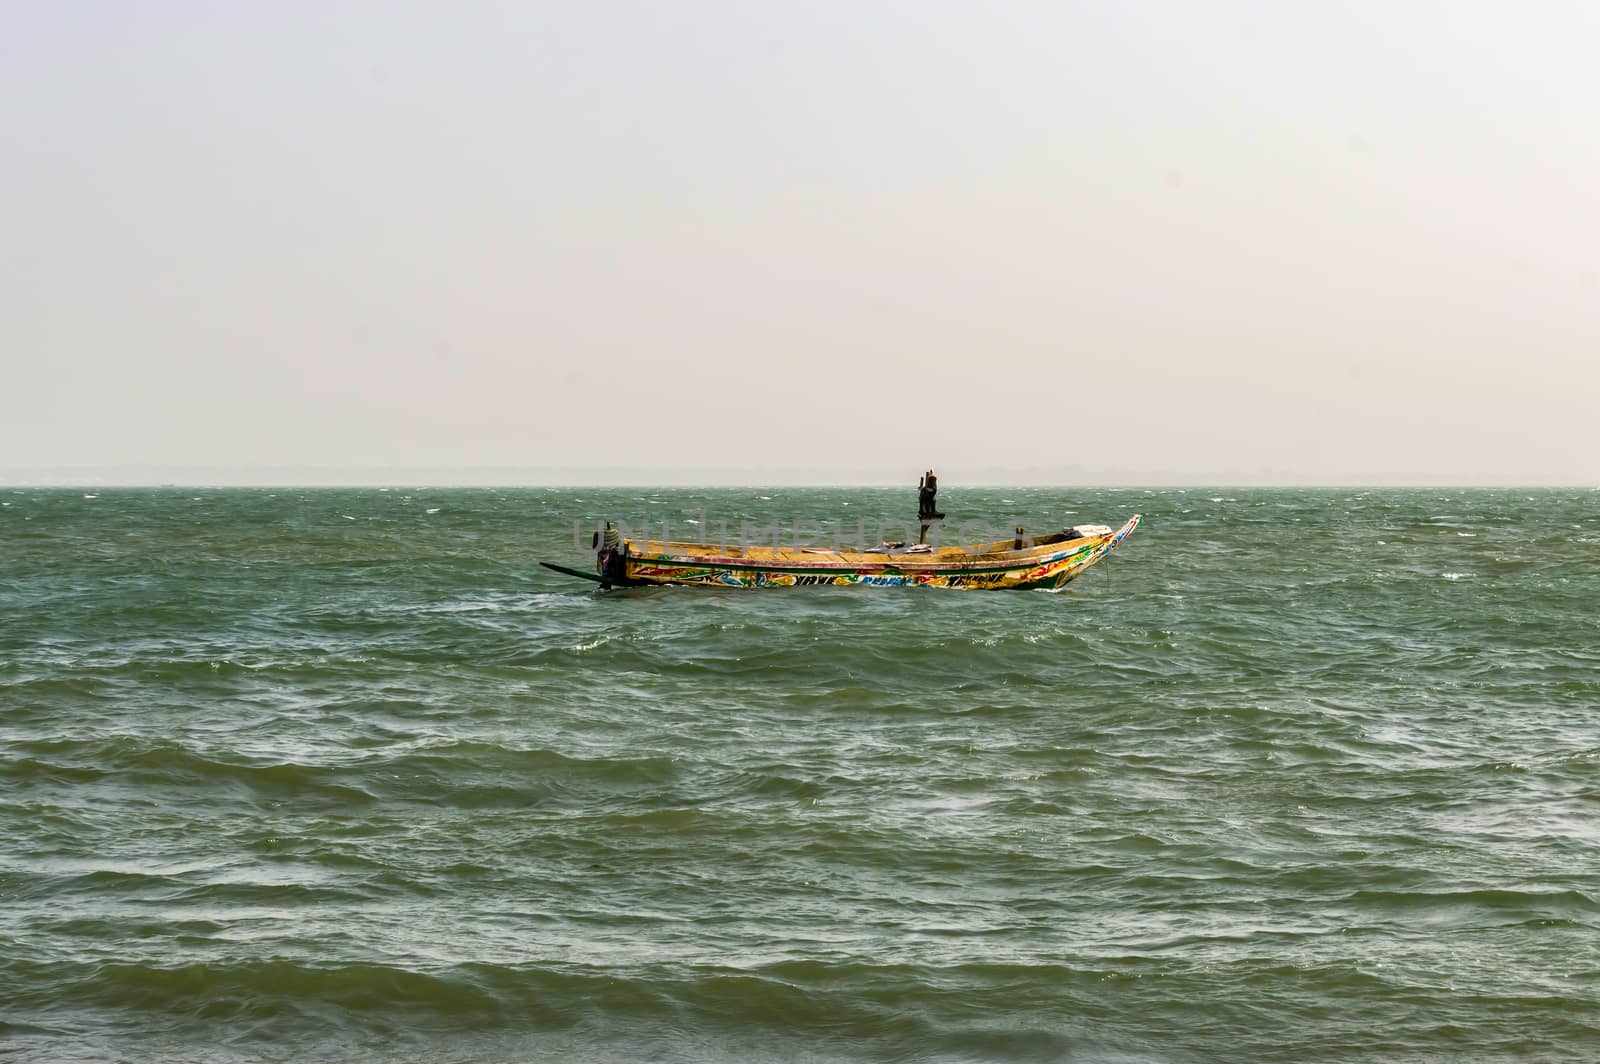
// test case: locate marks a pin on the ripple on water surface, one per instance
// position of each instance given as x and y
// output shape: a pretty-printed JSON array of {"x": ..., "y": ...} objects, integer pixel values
[{"x": 342, "y": 775}]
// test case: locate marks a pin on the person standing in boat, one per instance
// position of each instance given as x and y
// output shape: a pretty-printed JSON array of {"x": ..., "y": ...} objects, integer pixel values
[{"x": 927, "y": 492}]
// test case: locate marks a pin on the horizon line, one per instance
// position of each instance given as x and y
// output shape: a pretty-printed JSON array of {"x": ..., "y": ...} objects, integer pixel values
[{"x": 297, "y": 475}]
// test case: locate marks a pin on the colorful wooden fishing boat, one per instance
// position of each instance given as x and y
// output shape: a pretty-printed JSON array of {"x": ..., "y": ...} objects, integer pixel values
[{"x": 1022, "y": 562}]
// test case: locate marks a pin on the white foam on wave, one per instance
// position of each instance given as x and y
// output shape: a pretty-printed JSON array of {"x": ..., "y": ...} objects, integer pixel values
[
  {"x": 1457, "y": 576},
  {"x": 434, "y": 510},
  {"x": 465, "y": 606}
]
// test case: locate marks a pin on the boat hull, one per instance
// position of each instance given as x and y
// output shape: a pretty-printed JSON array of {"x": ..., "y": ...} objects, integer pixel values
[{"x": 1044, "y": 567}]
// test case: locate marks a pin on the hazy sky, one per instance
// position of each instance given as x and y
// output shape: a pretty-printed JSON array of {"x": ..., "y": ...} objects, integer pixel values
[{"x": 1308, "y": 242}]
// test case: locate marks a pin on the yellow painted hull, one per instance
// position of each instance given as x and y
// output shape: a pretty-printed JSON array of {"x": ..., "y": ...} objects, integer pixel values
[{"x": 987, "y": 567}]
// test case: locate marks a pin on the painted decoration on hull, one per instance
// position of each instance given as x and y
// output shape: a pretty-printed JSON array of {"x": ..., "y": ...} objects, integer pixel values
[{"x": 963, "y": 570}]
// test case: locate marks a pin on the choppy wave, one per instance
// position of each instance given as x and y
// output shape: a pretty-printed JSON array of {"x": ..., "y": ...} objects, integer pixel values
[{"x": 1295, "y": 775}]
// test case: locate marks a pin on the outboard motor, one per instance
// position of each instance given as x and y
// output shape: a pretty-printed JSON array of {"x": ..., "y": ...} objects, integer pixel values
[{"x": 611, "y": 558}]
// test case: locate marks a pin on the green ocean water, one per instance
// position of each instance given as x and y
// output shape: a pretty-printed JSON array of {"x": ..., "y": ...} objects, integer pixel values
[{"x": 342, "y": 775}]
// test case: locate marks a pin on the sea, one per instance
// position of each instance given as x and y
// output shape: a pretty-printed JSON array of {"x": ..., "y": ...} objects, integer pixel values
[{"x": 344, "y": 775}]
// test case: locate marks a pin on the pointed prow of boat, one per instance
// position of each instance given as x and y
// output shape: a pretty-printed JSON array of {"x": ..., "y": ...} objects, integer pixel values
[{"x": 1050, "y": 561}]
